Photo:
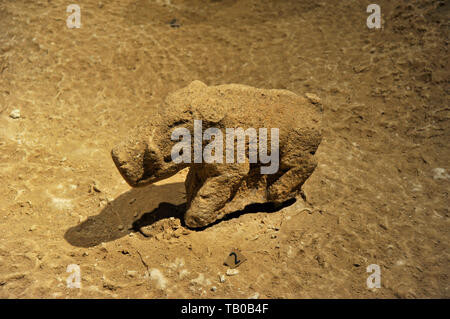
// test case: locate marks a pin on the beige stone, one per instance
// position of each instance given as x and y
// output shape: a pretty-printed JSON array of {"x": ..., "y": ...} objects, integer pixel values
[{"x": 215, "y": 190}]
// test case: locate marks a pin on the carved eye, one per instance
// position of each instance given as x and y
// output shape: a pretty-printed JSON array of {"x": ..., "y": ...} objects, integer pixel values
[{"x": 167, "y": 159}]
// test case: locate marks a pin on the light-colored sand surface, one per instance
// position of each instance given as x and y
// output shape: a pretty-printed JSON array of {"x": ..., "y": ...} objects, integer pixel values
[{"x": 380, "y": 191}]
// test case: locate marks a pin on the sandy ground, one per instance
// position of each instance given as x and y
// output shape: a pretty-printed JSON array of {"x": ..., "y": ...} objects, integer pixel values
[{"x": 380, "y": 192}]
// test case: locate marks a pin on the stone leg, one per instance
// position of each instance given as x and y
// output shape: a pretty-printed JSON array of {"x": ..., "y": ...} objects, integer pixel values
[
  {"x": 284, "y": 187},
  {"x": 209, "y": 187}
]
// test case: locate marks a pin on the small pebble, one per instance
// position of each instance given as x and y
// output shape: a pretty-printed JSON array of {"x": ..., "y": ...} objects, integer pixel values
[
  {"x": 15, "y": 114},
  {"x": 254, "y": 296},
  {"x": 232, "y": 272},
  {"x": 213, "y": 288},
  {"x": 146, "y": 231},
  {"x": 222, "y": 278}
]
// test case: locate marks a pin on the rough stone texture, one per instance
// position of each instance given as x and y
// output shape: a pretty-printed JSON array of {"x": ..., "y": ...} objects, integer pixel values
[{"x": 214, "y": 190}]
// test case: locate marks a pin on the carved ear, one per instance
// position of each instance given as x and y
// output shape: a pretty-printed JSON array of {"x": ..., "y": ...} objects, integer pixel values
[{"x": 203, "y": 103}]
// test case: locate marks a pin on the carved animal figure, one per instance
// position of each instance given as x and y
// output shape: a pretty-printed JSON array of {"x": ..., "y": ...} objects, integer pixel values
[{"x": 217, "y": 189}]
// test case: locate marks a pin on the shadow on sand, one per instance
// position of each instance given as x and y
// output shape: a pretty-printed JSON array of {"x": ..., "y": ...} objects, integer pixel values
[
  {"x": 121, "y": 215},
  {"x": 144, "y": 206}
]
